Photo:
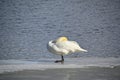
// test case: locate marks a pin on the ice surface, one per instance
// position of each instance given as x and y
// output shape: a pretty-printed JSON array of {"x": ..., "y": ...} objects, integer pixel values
[{"x": 42, "y": 64}]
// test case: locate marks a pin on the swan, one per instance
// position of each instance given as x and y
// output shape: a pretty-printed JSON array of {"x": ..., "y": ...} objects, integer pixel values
[{"x": 63, "y": 46}]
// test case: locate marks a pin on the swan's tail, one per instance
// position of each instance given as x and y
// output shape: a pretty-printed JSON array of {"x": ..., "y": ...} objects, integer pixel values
[{"x": 83, "y": 50}]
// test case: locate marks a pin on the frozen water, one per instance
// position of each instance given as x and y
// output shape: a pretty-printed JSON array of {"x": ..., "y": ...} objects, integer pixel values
[{"x": 42, "y": 64}]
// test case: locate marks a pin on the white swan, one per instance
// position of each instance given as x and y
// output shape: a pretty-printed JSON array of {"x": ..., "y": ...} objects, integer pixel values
[{"x": 62, "y": 46}]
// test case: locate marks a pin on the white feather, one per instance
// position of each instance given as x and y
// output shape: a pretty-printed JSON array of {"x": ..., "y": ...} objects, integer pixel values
[{"x": 64, "y": 47}]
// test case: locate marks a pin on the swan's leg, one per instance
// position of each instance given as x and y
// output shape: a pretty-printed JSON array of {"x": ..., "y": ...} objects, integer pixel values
[{"x": 62, "y": 60}]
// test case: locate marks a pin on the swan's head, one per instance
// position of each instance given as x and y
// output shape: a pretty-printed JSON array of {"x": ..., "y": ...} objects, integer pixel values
[{"x": 62, "y": 39}]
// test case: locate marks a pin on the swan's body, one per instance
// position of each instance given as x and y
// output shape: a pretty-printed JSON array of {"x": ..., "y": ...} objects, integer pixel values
[{"x": 62, "y": 46}]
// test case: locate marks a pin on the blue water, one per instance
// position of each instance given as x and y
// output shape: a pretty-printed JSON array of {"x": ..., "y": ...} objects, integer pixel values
[{"x": 27, "y": 25}]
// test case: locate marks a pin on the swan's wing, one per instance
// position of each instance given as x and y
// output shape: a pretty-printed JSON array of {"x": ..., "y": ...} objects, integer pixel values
[
  {"x": 77, "y": 47},
  {"x": 71, "y": 46}
]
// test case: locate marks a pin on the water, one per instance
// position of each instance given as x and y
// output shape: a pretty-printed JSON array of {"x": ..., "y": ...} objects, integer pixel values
[{"x": 27, "y": 25}]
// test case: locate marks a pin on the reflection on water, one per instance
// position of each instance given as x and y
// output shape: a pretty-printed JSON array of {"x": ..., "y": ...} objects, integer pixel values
[{"x": 27, "y": 26}]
